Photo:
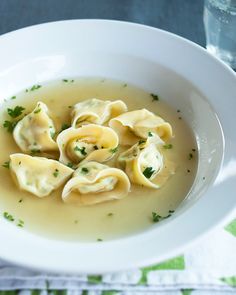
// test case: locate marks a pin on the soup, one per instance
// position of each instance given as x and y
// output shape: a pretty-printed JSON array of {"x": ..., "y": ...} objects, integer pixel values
[{"x": 143, "y": 206}]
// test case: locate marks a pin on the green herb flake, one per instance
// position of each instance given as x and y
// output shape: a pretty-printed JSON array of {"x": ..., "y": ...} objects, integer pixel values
[
  {"x": 99, "y": 240},
  {"x": 168, "y": 146},
  {"x": 141, "y": 141},
  {"x": 6, "y": 164},
  {"x": 156, "y": 217},
  {"x": 81, "y": 150},
  {"x": 190, "y": 156},
  {"x": 148, "y": 172},
  {"x": 16, "y": 112},
  {"x": 125, "y": 85},
  {"x": 20, "y": 223},
  {"x": 9, "y": 125},
  {"x": 65, "y": 80},
  {"x": 8, "y": 216},
  {"x": 178, "y": 111},
  {"x": 180, "y": 118},
  {"x": 35, "y": 151},
  {"x": 70, "y": 165},
  {"x": 68, "y": 81},
  {"x": 150, "y": 134},
  {"x": 84, "y": 170},
  {"x": 188, "y": 170},
  {"x": 13, "y": 97},
  {"x": 110, "y": 214},
  {"x": 95, "y": 147},
  {"x": 20, "y": 201},
  {"x": 64, "y": 126},
  {"x": 113, "y": 151},
  {"x": 76, "y": 221},
  {"x": 194, "y": 150},
  {"x": 35, "y": 87},
  {"x": 69, "y": 107},
  {"x": 37, "y": 111},
  {"x": 56, "y": 173},
  {"x": 155, "y": 97}
]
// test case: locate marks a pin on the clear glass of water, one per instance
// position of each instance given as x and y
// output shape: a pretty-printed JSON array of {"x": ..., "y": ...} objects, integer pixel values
[{"x": 220, "y": 27}]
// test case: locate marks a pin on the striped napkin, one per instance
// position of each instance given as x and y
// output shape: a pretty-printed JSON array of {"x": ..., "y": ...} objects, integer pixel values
[{"x": 208, "y": 267}]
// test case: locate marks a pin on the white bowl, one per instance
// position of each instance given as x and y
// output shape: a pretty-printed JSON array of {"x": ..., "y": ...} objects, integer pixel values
[{"x": 185, "y": 75}]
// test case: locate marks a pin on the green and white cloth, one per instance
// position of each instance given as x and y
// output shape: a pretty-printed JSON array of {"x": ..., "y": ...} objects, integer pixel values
[{"x": 207, "y": 268}]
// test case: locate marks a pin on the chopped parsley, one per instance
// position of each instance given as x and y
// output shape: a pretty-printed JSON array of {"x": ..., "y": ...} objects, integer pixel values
[
  {"x": 76, "y": 221},
  {"x": 155, "y": 97},
  {"x": 190, "y": 156},
  {"x": 20, "y": 223},
  {"x": 20, "y": 201},
  {"x": 194, "y": 150},
  {"x": 110, "y": 214},
  {"x": 180, "y": 118},
  {"x": 178, "y": 111},
  {"x": 81, "y": 150},
  {"x": 37, "y": 111},
  {"x": 125, "y": 85},
  {"x": 6, "y": 164},
  {"x": 188, "y": 170},
  {"x": 67, "y": 81},
  {"x": 70, "y": 165},
  {"x": 56, "y": 173},
  {"x": 64, "y": 126},
  {"x": 33, "y": 88},
  {"x": 95, "y": 147},
  {"x": 84, "y": 170},
  {"x": 113, "y": 151},
  {"x": 204, "y": 178},
  {"x": 168, "y": 146},
  {"x": 69, "y": 107},
  {"x": 99, "y": 240},
  {"x": 13, "y": 97},
  {"x": 9, "y": 125},
  {"x": 8, "y": 216},
  {"x": 141, "y": 141},
  {"x": 156, "y": 217},
  {"x": 150, "y": 134},
  {"x": 35, "y": 151},
  {"x": 148, "y": 172},
  {"x": 16, "y": 112}
]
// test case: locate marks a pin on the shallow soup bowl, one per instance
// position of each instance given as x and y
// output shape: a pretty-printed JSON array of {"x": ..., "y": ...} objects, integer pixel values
[{"x": 185, "y": 76}]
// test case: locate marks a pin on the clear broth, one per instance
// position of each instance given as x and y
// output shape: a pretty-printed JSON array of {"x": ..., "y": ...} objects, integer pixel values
[{"x": 51, "y": 217}]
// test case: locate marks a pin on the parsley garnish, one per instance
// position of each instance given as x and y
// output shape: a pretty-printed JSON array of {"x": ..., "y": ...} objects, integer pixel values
[
  {"x": 6, "y": 164},
  {"x": 190, "y": 156},
  {"x": 81, "y": 150},
  {"x": 9, "y": 125},
  {"x": 150, "y": 134},
  {"x": 99, "y": 240},
  {"x": 194, "y": 150},
  {"x": 113, "y": 151},
  {"x": 141, "y": 141},
  {"x": 20, "y": 201},
  {"x": 156, "y": 217},
  {"x": 67, "y": 81},
  {"x": 70, "y": 165},
  {"x": 8, "y": 216},
  {"x": 64, "y": 126},
  {"x": 168, "y": 146},
  {"x": 35, "y": 151},
  {"x": 20, "y": 223},
  {"x": 154, "y": 97},
  {"x": 84, "y": 170},
  {"x": 34, "y": 87},
  {"x": 110, "y": 214},
  {"x": 16, "y": 112},
  {"x": 148, "y": 172},
  {"x": 56, "y": 173},
  {"x": 13, "y": 97},
  {"x": 125, "y": 85},
  {"x": 95, "y": 147},
  {"x": 37, "y": 111}
]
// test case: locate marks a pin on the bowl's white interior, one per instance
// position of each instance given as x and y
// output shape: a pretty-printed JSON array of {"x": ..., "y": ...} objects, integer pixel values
[{"x": 181, "y": 73}]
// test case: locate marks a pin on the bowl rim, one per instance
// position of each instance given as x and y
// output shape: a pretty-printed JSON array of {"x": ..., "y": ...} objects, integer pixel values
[{"x": 40, "y": 265}]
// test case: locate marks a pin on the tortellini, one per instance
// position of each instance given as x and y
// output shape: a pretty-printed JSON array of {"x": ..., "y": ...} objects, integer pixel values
[
  {"x": 90, "y": 142},
  {"x": 96, "y": 111},
  {"x": 35, "y": 132},
  {"x": 94, "y": 183},
  {"x": 135, "y": 125},
  {"x": 38, "y": 175},
  {"x": 145, "y": 164}
]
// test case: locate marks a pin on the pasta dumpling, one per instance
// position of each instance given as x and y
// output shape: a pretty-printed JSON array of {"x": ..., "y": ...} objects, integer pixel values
[
  {"x": 96, "y": 111},
  {"x": 135, "y": 125},
  {"x": 90, "y": 142},
  {"x": 94, "y": 183},
  {"x": 38, "y": 175},
  {"x": 35, "y": 131},
  {"x": 145, "y": 164}
]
